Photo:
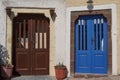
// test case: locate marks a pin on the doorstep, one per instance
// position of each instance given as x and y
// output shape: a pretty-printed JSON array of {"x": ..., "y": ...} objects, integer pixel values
[
  {"x": 70, "y": 78},
  {"x": 96, "y": 78},
  {"x": 34, "y": 78}
]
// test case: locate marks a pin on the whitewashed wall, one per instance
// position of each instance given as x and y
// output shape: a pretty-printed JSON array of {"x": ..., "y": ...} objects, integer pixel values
[
  {"x": 2, "y": 24},
  {"x": 59, "y": 6}
]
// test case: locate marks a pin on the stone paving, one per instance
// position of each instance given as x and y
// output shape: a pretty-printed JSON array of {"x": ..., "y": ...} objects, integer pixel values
[
  {"x": 99, "y": 78},
  {"x": 33, "y": 78},
  {"x": 53, "y": 78}
]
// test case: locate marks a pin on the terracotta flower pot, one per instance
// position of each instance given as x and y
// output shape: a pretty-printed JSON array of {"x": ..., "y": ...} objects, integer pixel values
[
  {"x": 60, "y": 73},
  {"x": 7, "y": 71}
]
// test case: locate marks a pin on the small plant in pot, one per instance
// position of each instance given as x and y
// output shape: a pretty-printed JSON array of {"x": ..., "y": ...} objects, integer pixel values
[
  {"x": 60, "y": 71},
  {"x": 6, "y": 66}
]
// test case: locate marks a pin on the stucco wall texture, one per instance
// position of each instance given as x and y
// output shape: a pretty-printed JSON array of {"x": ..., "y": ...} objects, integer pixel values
[{"x": 78, "y": 3}]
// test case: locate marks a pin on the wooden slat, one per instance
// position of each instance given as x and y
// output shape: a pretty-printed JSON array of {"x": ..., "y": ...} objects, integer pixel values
[
  {"x": 16, "y": 36},
  {"x": 29, "y": 33},
  {"x": 47, "y": 34},
  {"x": 19, "y": 35},
  {"x": 38, "y": 25},
  {"x": 33, "y": 33},
  {"x": 43, "y": 24},
  {"x": 24, "y": 33}
]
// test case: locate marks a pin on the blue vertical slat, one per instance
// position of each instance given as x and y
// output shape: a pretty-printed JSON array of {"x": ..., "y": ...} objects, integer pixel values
[
  {"x": 76, "y": 34},
  {"x": 105, "y": 42},
  {"x": 100, "y": 34},
  {"x": 89, "y": 22},
  {"x": 96, "y": 33},
  {"x": 89, "y": 32},
  {"x": 92, "y": 33},
  {"x": 84, "y": 33},
  {"x": 81, "y": 34},
  {"x": 105, "y": 34},
  {"x": 76, "y": 43},
  {"x": 92, "y": 51},
  {"x": 93, "y": 36}
]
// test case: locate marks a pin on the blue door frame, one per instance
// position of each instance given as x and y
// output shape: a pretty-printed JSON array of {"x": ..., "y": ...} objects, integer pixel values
[{"x": 91, "y": 44}]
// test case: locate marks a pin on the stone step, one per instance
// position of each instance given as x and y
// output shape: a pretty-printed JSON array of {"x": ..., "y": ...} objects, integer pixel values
[
  {"x": 70, "y": 78},
  {"x": 34, "y": 78}
]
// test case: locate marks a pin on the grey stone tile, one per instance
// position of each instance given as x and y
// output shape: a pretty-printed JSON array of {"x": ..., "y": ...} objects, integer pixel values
[
  {"x": 53, "y": 78},
  {"x": 34, "y": 78}
]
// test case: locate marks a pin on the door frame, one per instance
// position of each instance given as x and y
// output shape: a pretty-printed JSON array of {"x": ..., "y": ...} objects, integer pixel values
[
  {"x": 70, "y": 55},
  {"x": 74, "y": 16},
  {"x": 89, "y": 51},
  {"x": 13, "y": 12}
]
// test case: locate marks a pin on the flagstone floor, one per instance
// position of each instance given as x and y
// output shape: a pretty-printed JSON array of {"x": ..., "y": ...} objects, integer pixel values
[
  {"x": 53, "y": 78},
  {"x": 98, "y": 78},
  {"x": 33, "y": 78}
]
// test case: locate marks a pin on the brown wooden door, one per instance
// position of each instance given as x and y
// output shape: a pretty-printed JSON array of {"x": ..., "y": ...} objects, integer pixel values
[{"x": 31, "y": 43}]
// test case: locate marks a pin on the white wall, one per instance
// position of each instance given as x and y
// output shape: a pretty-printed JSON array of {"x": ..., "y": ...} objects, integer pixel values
[
  {"x": 2, "y": 24},
  {"x": 59, "y": 6}
]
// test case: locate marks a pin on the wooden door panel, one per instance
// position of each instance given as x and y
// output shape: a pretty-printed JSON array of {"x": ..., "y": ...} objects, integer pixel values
[
  {"x": 32, "y": 44},
  {"x": 23, "y": 62},
  {"x": 40, "y": 59},
  {"x": 41, "y": 64}
]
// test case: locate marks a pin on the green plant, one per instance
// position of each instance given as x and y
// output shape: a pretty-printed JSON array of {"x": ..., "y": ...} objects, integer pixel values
[
  {"x": 8, "y": 64},
  {"x": 60, "y": 65},
  {"x": 3, "y": 53},
  {"x": 4, "y": 57}
]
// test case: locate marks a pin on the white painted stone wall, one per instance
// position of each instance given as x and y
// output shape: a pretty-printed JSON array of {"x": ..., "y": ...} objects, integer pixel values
[
  {"x": 59, "y": 6},
  {"x": 2, "y": 24}
]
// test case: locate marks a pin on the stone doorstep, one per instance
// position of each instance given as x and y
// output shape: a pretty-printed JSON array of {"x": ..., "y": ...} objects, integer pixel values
[
  {"x": 69, "y": 78},
  {"x": 34, "y": 78},
  {"x": 96, "y": 78}
]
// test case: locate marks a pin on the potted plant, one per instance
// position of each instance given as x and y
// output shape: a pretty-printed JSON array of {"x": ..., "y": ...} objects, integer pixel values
[
  {"x": 60, "y": 71},
  {"x": 6, "y": 66}
]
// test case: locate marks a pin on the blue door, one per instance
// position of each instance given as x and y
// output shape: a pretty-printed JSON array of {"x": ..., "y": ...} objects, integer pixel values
[{"x": 91, "y": 44}]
